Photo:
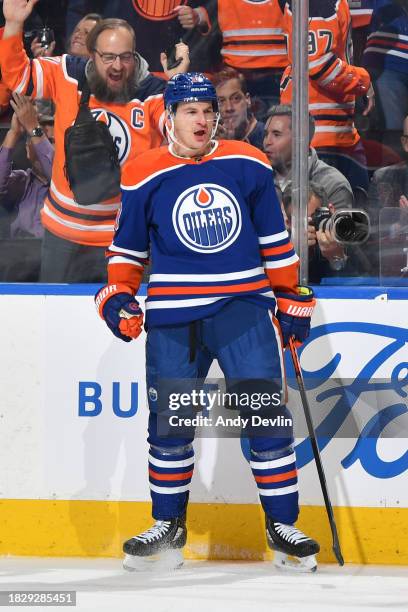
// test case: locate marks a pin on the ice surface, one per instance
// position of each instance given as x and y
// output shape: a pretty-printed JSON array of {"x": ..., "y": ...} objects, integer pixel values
[{"x": 210, "y": 586}]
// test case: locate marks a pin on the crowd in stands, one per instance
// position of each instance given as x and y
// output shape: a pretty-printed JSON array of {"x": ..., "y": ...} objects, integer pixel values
[{"x": 125, "y": 50}]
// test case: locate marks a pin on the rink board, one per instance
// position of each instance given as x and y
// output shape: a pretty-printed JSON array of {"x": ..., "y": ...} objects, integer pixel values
[{"x": 73, "y": 478}]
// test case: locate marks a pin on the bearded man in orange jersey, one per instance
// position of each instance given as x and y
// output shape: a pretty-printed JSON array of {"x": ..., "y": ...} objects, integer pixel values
[{"x": 125, "y": 96}]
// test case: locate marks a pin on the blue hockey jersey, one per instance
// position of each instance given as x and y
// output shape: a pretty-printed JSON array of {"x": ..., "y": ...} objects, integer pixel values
[{"x": 214, "y": 229}]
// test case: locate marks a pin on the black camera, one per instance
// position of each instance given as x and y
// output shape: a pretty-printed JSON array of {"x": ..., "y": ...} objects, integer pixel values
[
  {"x": 45, "y": 36},
  {"x": 348, "y": 225}
]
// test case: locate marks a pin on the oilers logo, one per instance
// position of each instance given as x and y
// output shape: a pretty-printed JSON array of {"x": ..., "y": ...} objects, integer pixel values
[
  {"x": 207, "y": 218},
  {"x": 118, "y": 129}
]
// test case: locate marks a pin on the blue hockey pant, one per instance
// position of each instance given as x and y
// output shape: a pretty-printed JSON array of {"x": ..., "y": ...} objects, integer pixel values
[{"x": 245, "y": 340}]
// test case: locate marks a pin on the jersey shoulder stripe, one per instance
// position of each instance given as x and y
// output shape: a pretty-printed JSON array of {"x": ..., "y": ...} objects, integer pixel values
[
  {"x": 147, "y": 166},
  {"x": 241, "y": 149},
  {"x": 155, "y": 162}
]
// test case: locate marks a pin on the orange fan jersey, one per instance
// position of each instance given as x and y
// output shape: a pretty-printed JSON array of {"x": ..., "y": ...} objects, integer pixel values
[
  {"x": 361, "y": 11},
  {"x": 4, "y": 98},
  {"x": 4, "y": 91},
  {"x": 135, "y": 128},
  {"x": 333, "y": 82},
  {"x": 252, "y": 34}
]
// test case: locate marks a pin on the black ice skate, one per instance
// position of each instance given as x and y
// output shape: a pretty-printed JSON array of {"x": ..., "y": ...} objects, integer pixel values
[
  {"x": 287, "y": 541},
  {"x": 160, "y": 545}
]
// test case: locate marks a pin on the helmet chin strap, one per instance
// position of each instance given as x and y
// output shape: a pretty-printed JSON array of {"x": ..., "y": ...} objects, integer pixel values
[{"x": 172, "y": 135}]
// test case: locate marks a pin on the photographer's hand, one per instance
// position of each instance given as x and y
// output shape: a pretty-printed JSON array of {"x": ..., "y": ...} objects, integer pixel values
[
  {"x": 329, "y": 248},
  {"x": 311, "y": 233}
]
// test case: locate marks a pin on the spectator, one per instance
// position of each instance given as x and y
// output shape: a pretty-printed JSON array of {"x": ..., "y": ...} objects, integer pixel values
[
  {"x": 254, "y": 43},
  {"x": 22, "y": 192},
  {"x": 237, "y": 119},
  {"x": 386, "y": 58},
  {"x": 77, "y": 42},
  {"x": 4, "y": 99},
  {"x": 389, "y": 189},
  {"x": 278, "y": 148},
  {"x": 75, "y": 11},
  {"x": 25, "y": 190},
  {"x": 160, "y": 25},
  {"x": 4, "y": 91},
  {"x": 126, "y": 96},
  {"x": 334, "y": 84},
  {"x": 389, "y": 186},
  {"x": 326, "y": 256}
]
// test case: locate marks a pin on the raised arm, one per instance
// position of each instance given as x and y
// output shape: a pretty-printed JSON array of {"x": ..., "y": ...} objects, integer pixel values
[
  {"x": 330, "y": 66},
  {"x": 16, "y": 68},
  {"x": 15, "y": 13}
]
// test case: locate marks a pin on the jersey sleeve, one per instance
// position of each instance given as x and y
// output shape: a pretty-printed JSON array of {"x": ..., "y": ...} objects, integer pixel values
[
  {"x": 326, "y": 68},
  {"x": 278, "y": 256},
  {"x": 18, "y": 71},
  {"x": 329, "y": 31},
  {"x": 361, "y": 12},
  {"x": 4, "y": 97},
  {"x": 203, "y": 9},
  {"x": 129, "y": 251}
]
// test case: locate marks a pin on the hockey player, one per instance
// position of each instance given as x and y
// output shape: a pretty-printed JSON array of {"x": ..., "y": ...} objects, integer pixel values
[{"x": 222, "y": 261}]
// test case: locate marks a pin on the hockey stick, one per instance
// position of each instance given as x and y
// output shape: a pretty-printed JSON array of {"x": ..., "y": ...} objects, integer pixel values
[{"x": 316, "y": 452}]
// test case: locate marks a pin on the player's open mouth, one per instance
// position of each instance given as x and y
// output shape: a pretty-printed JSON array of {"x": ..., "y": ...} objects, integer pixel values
[{"x": 200, "y": 133}]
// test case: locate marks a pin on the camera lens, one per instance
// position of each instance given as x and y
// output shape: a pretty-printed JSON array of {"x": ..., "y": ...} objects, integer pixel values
[
  {"x": 345, "y": 229},
  {"x": 351, "y": 226}
]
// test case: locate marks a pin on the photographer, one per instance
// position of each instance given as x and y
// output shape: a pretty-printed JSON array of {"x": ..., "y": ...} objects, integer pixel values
[{"x": 327, "y": 257}]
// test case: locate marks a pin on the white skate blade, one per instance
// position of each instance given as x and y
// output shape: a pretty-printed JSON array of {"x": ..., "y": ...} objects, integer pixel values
[
  {"x": 294, "y": 564},
  {"x": 165, "y": 561}
]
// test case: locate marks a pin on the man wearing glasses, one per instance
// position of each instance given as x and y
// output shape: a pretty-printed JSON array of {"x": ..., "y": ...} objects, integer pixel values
[{"x": 124, "y": 95}]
